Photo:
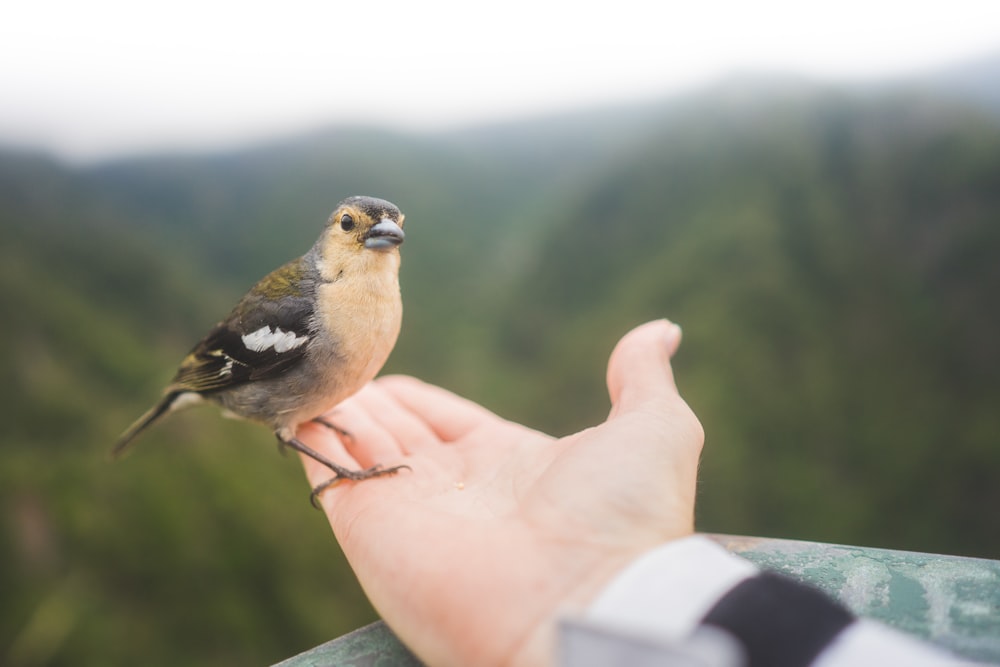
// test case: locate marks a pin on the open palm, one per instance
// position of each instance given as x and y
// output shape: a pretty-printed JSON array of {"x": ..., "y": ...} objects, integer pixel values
[{"x": 496, "y": 529}]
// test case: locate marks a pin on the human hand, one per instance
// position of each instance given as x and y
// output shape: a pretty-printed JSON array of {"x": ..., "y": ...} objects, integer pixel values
[{"x": 497, "y": 530}]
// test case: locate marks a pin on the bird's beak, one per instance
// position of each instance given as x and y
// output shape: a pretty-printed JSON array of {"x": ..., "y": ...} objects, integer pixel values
[{"x": 384, "y": 235}]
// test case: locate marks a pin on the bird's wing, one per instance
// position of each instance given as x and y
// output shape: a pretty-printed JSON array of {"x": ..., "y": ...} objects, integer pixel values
[{"x": 267, "y": 333}]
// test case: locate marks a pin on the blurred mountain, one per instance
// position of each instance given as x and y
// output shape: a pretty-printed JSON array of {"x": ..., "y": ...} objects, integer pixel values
[
  {"x": 830, "y": 252},
  {"x": 974, "y": 82}
]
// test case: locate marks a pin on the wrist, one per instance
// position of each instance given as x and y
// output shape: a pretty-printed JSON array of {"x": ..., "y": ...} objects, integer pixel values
[
  {"x": 579, "y": 577},
  {"x": 667, "y": 590}
]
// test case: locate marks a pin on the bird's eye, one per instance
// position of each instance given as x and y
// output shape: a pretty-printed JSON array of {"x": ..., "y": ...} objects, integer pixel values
[{"x": 346, "y": 222}]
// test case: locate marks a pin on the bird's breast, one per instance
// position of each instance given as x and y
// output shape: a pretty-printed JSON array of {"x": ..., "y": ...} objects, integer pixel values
[{"x": 362, "y": 318}]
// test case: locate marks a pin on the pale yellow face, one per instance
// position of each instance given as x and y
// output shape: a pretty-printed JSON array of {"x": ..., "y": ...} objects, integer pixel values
[{"x": 363, "y": 234}]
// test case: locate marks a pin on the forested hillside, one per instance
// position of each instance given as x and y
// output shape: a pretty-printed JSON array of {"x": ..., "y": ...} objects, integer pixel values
[{"x": 830, "y": 253}]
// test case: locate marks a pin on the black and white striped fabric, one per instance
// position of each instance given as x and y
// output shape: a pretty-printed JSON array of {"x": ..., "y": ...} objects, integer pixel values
[
  {"x": 690, "y": 603},
  {"x": 778, "y": 621}
]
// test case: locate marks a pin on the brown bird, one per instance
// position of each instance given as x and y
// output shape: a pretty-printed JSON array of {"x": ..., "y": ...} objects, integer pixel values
[{"x": 307, "y": 336}]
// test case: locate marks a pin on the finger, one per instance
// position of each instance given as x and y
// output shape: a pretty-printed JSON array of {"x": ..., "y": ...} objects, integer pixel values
[
  {"x": 391, "y": 420},
  {"x": 367, "y": 440},
  {"x": 639, "y": 368},
  {"x": 449, "y": 416}
]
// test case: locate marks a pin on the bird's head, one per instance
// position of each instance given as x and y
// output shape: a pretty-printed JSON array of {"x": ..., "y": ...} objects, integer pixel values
[{"x": 361, "y": 227}]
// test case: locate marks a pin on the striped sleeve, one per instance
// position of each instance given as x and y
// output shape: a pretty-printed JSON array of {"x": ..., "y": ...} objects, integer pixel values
[{"x": 692, "y": 603}]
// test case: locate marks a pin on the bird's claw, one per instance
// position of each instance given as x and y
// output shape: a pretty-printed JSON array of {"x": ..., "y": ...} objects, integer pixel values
[
  {"x": 340, "y": 472},
  {"x": 376, "y": 470},
  {"x": 315, "y": 493}
]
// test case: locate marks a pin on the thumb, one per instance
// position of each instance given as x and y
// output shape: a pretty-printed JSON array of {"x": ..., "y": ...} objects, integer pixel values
[{"x": 639, "y": 368}]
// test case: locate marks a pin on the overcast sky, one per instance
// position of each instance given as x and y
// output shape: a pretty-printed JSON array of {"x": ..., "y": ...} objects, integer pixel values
[{"x": 93, "y": 78}]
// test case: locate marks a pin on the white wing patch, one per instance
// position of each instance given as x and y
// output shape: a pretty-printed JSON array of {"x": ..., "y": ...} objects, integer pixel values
[
  {"x": 265, "y": 338},
  {"x": 188, "y": 398}
]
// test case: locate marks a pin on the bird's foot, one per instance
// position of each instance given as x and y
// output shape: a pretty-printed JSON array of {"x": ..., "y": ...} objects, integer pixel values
[
  {"x": 354, "y": 476},
  {"x": 341, "y": 473}
]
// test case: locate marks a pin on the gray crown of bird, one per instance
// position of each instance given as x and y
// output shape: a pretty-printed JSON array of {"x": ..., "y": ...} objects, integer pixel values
[{"x": 305, "y": 337}]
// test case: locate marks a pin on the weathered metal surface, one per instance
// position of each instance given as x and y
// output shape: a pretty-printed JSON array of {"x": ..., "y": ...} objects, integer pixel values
[
  {"x": 371, "y": 646},
  {"x": 949, "y": 600}
]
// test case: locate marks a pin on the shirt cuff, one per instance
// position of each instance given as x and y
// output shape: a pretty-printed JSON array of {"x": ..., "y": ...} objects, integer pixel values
[
  {"x": 869, "y": 643},
  {"x": 668, "y": 590}
]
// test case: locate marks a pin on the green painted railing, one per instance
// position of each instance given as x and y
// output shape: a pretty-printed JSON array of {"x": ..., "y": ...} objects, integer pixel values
[{"x": 950, "y": 601}]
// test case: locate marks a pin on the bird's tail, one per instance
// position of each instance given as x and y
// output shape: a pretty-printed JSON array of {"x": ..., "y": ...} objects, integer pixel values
[{"x": 161, "y": 408}]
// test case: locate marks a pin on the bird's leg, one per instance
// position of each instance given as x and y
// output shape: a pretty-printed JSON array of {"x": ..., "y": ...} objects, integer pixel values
[
  {"x": 341, "y": 471},
  {"x": 343, "y": 433}
]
